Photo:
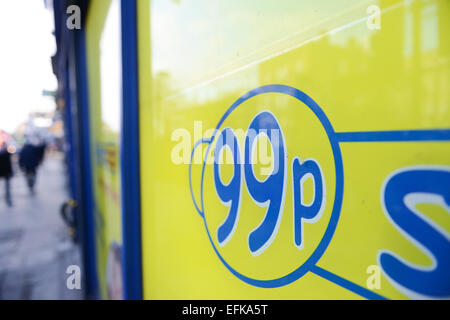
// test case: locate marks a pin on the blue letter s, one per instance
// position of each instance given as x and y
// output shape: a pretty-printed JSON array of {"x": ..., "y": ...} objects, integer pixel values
[{"x": 401, "y": 193}]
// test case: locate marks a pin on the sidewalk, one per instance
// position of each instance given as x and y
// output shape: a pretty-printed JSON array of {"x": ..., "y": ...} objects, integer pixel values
[{"x": 35, "y": 248}]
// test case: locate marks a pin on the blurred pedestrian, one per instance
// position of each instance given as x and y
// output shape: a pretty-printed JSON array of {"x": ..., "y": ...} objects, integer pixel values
[
  {"x": 6, "y": 171},
  {"x": 30, "y": 157}
]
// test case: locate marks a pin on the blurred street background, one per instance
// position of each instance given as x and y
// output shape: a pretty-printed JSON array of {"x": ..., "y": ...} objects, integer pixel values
[{"x": 36, "y": 247}]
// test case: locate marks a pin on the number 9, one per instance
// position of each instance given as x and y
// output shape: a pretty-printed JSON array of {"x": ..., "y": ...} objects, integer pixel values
[
  {"x": 270, "y": 192},
  {"x": 229, "y": 194}
]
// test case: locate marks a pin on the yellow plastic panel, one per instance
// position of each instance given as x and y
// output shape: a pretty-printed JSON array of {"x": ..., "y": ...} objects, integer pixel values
[
  {"x": 104, "y": 72},
  {"x": 360, "y": 87}
]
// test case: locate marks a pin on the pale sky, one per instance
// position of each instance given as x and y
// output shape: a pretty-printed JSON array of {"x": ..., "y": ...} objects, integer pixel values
[{"x": 26, "y": 46}]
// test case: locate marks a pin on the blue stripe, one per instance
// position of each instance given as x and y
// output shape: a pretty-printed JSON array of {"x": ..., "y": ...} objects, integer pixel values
[
  {"x": 129, "y": 154},
  {"x": 70, "y": 156},
  {"x": 392, "y": 136},
  {"x": 85, "y": 163},
  {"x": 363, "y": 292}
]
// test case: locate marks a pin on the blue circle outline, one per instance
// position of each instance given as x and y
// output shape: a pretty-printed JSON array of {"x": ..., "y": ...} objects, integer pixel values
[{"x": 339, "y": 171}]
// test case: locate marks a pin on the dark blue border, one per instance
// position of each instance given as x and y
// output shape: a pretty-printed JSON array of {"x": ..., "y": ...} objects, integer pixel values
[
  {"x": 69, "y": 132},
  {"x": 129, "y": 155},
  {"x": 363, "y": 292},
  {"x": 198, "y": 143},
  {"x": 339, "y": 171},
  {"x": 395, "y": 136},
  {"x": 86, "y": 167}
]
